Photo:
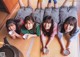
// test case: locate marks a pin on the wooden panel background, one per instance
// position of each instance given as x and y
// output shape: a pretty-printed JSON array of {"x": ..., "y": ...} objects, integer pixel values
[{"x": 10, "y": 4}]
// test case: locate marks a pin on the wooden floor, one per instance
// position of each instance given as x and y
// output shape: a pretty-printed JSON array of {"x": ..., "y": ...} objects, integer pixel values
[{"x": 23, "y": 45}]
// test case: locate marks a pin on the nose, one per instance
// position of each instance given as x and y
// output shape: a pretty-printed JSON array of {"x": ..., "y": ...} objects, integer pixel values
[
  {"x": 47, "y": 24},
  {"x": 11, "y": 27},
  {"x": 28, "y": 25},
  {"x": 69, "y": 27}
]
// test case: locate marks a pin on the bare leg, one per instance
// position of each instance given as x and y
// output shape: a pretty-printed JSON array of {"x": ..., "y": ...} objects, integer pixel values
[
  {"x": 55, "y": 6},
  {"x": 49, "y": 4},
  {"x": 39, "y": 4},
  {"x": 74, "y": 3},
  {"x": 64, "y": 3},
  {"x": 28, "y": 3},
  {"x": 55, "y": 3},
  {"x": 21, "y": 3}
]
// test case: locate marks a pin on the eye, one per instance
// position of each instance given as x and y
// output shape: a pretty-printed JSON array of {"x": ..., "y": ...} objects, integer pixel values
[
  {"x": 12, "y": 25},
  {"x": 71, "y": 25},
  {"x": 28, "y": 23},
  {"x": 45, "y": 23}
]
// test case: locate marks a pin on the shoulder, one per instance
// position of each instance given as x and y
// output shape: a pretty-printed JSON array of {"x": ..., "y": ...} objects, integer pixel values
[
  {"x": 55, "y": 24},
  {"x": 60, "y": 35},
  {"x": 37, "y": 26},
  {"x": 77, "y": 31}
]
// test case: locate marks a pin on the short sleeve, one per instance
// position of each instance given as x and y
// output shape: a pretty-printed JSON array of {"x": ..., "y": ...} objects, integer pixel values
[
  {"x": 60, "y": 35},
  {"x": 38, "y": 30}
]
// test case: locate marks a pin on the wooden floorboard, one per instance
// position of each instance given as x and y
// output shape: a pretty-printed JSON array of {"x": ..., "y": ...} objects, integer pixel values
[{"x": 23, "y": 45}]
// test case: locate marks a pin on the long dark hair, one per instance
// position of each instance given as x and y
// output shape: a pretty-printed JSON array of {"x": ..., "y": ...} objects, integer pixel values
[
  {"x": 47, "y": 19},
  {"x": 9, "y": 21},
  {"x": 28, "y": 18},
  {"x": 72, "y": 21}
]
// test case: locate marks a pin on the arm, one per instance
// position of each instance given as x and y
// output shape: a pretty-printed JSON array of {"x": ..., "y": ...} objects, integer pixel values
[
  {"x": 18, "y": 35},
  {"x": 48, "y": 42},
  {"x": 32, "y": 35},
  {"x": 60, "y": 36},
  {"x": 43, "y": 40},
  {"x": 53, "y": 34},
  {"x": 27, "y": 36}
]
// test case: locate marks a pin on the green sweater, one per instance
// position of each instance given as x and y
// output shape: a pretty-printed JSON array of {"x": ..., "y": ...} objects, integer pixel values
[{"x": 25, "y": 31}]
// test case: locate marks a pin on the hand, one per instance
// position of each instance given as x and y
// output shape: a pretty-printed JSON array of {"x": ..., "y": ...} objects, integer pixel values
[
  {"x": 25, "y": 36},
  {"x": 12, "y": 34},
  {"x": 17, "y": 35},
  {"x": 45, "y": 50},
  {"x": 29, "y": 36},
  {"x": 32, "y": 35},
  {"x": 66, "y": 52}
]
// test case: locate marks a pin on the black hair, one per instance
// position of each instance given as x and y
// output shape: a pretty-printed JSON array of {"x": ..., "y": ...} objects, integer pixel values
[
  {"x": 47, "y": 19},
  {"x": 9, "y": 21},
  {"x": 72, "y": 21},
  {"x": 28, "y": 18}
]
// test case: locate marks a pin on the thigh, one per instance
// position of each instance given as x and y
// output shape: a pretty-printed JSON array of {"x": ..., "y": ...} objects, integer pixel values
[
  {"x": 47, "y": 11},
  {"x": 72, "y": 11},
  {"x": 22, "y": 13},
  {"x": 38, "y": 15},
  {"x": 55, "y": 15},
  {"x": 63, "y": 13}
]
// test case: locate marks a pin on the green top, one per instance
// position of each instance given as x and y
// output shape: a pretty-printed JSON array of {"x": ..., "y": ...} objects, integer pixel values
[{"x": 25, "y": 31}]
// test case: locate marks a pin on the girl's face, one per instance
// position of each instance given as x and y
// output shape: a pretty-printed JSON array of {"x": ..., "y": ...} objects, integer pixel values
[
  {"x": 68, "y": 27},
  {"x": 12, "y": 26},
  {"x": 29, "y": 25},
  {"x": 47, "y": 25}
]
